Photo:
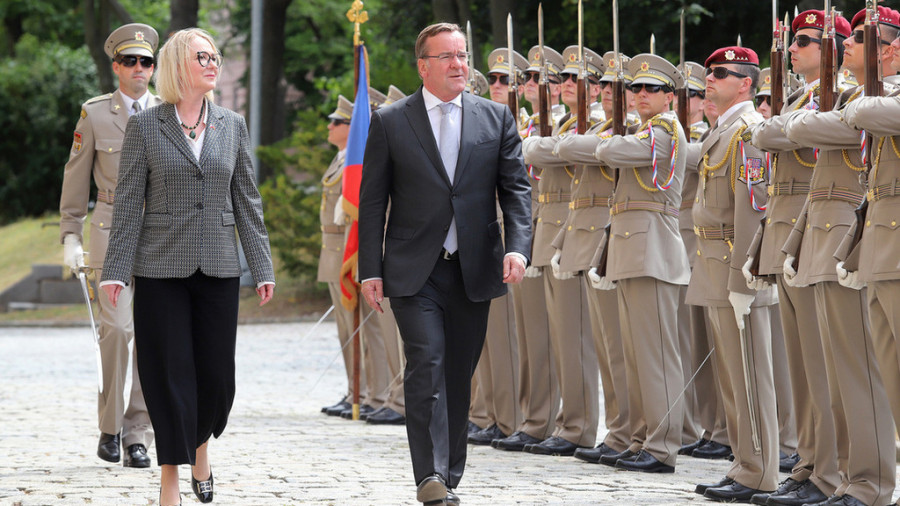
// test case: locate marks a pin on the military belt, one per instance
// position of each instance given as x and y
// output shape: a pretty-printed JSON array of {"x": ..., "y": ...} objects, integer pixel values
[
  {"x": 789, "y": 188},
  {"x": 842, "y": 194},
  {"x": 105, "y": 196},
  {"x": 686, "y": 204},
  {"x": 332, "y": 229},
  {"x": 713, "y": 233},
  {"x": 883, "y": 191},
  {"x": 643, "y": 205},
  {"x": 549, "y": 198},
  {"x": 592, "y": 201}
]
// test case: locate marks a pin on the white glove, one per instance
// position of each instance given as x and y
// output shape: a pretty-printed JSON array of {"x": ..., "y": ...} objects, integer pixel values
[
  {"x": 753, "y": 282},
  {"x": 740, "y": 302},
  {"x": 339, "y": 215},
  {"x": 600, "y": 282},
  {"x": 554, "y": 264},
  {"x": 850, "y": 279},
  {"x": 788, "y": 270},
  {"x": 532, "y": 272},
  {"x": 73, "y": 253}
]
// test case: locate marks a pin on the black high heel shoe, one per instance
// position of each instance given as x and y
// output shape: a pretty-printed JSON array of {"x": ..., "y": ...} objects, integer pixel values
[{"x": 203, "y": 489}]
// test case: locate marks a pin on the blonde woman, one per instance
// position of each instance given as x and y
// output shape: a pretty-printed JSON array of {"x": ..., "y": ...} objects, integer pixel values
[{"x": 185, "y": 183}]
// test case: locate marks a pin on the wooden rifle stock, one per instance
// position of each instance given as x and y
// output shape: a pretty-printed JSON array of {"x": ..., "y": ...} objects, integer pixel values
[
  {"x": 582, "y": 120},
  {"x": 827, "y": 95},
  {"x": 513, "y": 101},
  {"x": 872, "y": 50},
  {"x": 546, "y": 128},
  {"x": 777, "y": 70},
  {"x": 604, "y": 257},
  {"x": 683, "y": 111},
  {"x": 618, "y": 107}
]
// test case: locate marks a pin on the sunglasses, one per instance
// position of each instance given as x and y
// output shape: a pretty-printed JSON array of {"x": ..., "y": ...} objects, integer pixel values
[
  {"x": 804, "y": 40},
  {"x": 131, "y": 60},
  {"x": 858, "y": 37},
  {"x": 203, "y": 58},
  {"x": 493, "y": 78},
  {"x": 764, "y": 99},
  {"x": 651, "y": 88},
  {"x": 536, "y": 77},
  {"x": 695, "y": 93},
  {"x": 574, "y": 78},
  {"x": 339, "y": 122},
  {"x": 723, "y": 73}
]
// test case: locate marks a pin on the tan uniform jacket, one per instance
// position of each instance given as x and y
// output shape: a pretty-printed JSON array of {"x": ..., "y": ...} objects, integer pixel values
[
  {"x": 332, "y": 255},
  {"x": 95, "y": 152},
  {"x": 723, "y": 206},
  {"x": 878, "y": 258},
  {"x": 792, "y": 168},
  {"x": 835, "y": 191},
  {"x": 691, "y": 177}
]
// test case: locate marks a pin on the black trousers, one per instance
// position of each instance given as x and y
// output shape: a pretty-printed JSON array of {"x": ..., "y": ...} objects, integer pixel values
[
  {"x": 443, "y": 334},
  {"x": 185, "y": 331}
]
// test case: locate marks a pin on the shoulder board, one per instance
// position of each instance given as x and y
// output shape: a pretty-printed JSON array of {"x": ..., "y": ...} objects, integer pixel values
[
  {"x": 100, "y": 98},
  {"x": 751, "y": 118},
  {"x": 664, "y": 122}
]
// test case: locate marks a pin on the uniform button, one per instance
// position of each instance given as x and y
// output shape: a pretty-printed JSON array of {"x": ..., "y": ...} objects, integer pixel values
[
  {"x": 893, "y": 223},
  {"x": 592, "y": 228},
  {"x": 199, "y": 205},
  {"x": 869, "y": 223},
  {"x": 539, "y": 220},
  {"x": 807, "y": 226},
  {"x": 768, "y": 220},
  {"x": 576, "y": 181},
  {"x": 558, "y": 222},
  {"x": 627, "y": 234},
  {"x": 569, "y": 227},
  {"x": 101, "y": 223},
  {"x": 828, "y": 225},
  {"x": 110, "y": 150},
  {"x": 698, "y": 252},
  {"x": 725, "y": 257},
  {"x": 793, "y": 220},
  {"x": 696, "y": 199}
]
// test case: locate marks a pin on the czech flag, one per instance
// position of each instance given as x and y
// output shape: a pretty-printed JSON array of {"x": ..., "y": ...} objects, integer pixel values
[{"x": 356, "y": 148}]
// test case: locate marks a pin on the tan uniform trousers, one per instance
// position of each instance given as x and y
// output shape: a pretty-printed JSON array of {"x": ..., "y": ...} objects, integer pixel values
[
  {"x": 883, "y": 304},
  {"x": 344, "y": 320},
  {"x": 576, "y": 360},
  {"x": 865, "y": 431},
  {"x": 750, "y": 469},
  {"x": 538, "y": 383},
  {"x": 690, "y": 426},
  {"x": 498, "y": 366},
  {"x": 478, "y": 413},
  {"x": 709, "y": 407},
  {"x": 116, "y": 333},
  {"x": 784, "y": 402},
  {"x": 604, "y": 312},
  {"x": 648, "y": 312},
  {"x": 812, "y": 401}
]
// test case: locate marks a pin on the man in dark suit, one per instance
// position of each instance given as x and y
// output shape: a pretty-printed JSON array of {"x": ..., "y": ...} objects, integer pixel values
[{"x": 442, "y": 158}]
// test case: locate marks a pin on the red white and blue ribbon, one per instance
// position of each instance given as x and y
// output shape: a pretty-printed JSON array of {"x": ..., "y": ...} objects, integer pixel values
[
  {"x": 653, "y": 161},
  {"x": 749, "y": 180},
  {"x": 863, "y": 146}
]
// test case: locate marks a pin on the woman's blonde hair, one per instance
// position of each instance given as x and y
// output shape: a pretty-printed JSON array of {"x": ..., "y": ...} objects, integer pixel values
[{"x": 173, "y": 65}]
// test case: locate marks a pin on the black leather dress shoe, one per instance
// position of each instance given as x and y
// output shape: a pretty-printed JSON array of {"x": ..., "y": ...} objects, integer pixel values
[
  {"x": 471, "y": 428},
  {"x": 787, "y": 462},
  {"x": 702, "y": 487},
  {"x": 688, "y": 449},
  {"x": 733, "y": 492},
  {"x": 365, "y": 416},
  {"x": 432, "y": 490},
  {"x": 831, "y": 501},
  {"x": 783, "y": 488},
  {"x": 337, "y": 409},
  {"x": 386, "y": 416},
  {"x": 485, "y": 436},
  {"x": 136, "y": 456},
  {"x": 203, "y": 489},
  {"x": 712, "y": 450},
  {"x": 364, "y": 410},
  {"x": 843, "y": 500},
  {"x": 806, "y": 493},
  {"x": 339, "y": 403},
  {"x": 452, "y": 499},
  {"x": 553, "y": 445},
  {"x": 108, "y": 447},
  {"x": 516, "y": 442},
  {"x": 593, "y": 455},
  {"x": 610, "y": 460},
  {"x": 645, "y": 463}
]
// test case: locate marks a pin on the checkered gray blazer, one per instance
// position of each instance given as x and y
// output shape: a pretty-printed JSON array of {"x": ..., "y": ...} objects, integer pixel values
[{"x": 173, "y": 215}]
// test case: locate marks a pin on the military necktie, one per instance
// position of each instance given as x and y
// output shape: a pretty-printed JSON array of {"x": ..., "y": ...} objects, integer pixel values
[
  {"x": 449, "y": 147},
  {"x": 135, "y": 108}
]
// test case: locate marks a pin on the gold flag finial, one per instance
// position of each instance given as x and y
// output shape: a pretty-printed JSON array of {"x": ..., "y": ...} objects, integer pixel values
[{"x": 357, "y": 16}]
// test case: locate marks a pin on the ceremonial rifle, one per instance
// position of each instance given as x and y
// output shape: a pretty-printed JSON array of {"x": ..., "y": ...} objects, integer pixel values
[
  {"x": 828, "y": 65},
  {"x": 581, "y": 125},
  {"x": 618, "y": 84},
  {"x": 683, "y": 111},
  {"x": 513, "y": 94},
  {"x": 779, "y": 76},
  {"x": 471, "y": 77},
  {"x": 546, "y": 129}
]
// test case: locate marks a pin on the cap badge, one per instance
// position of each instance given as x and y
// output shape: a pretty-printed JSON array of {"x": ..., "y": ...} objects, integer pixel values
[
  {"x": 810, "y": 18},
  {"x": 768, "y": 79},
  {"x": 729, "y": 55},
  {"x": 612, "y": 63},
  {"x": 138, "y": 35},
  {"x": 645, "y": 66},
  {"x": 499, "y": 58},
  {"x": 572, "y": 56}
]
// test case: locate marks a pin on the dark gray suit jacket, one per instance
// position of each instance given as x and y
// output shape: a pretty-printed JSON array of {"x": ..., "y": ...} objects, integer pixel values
[
  {"x": 403, "y": 166},
  {"x": 174, "y": 214}
]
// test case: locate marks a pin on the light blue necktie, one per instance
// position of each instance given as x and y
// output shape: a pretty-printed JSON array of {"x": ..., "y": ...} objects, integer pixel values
[{"x": 449, "y": 147}]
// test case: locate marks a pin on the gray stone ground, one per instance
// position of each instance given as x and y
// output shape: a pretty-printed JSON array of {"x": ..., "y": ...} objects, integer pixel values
[{"x": 278, "y": 449}]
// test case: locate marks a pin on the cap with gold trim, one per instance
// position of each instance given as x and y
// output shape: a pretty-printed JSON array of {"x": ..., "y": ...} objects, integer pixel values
[
  {"x": 554, "y": 60},
  {"x": 376, "y": 98},
  {"x": 649, "y": 68},
  {"x": 134, "y": 38},
  {"x": 593, "y": 63},
  {"x": 343, "y": 111},
  {"x": 610, "y": 71},
  {"x": 394, "y": 94},
  {"x": 498, "y": 64},
  {"x": 695, "y": 75}
]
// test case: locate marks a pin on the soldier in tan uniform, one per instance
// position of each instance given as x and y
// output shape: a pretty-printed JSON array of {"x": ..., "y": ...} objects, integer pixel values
[
  {"x": 95, "y": 153},
  {"x": 538, "y": 385},
  {"x": 726, "y": 211},
  {"x": 647, "y": 260},
  {"x": 865, "y": 432},
  {"x": 567, "y": 308},
  {"x": 815, "y": 477},
  {"x": 498, "y": 368}
]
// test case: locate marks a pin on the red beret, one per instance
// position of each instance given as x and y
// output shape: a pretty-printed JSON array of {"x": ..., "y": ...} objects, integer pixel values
[
  {"x": 733, "y": 54},
  {"x": 816, "y": 19},
  {"x": 886, "y": 16}
]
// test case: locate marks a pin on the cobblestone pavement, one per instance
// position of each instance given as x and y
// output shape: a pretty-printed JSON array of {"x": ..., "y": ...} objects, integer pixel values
[{"x": 278, "y": 448}]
